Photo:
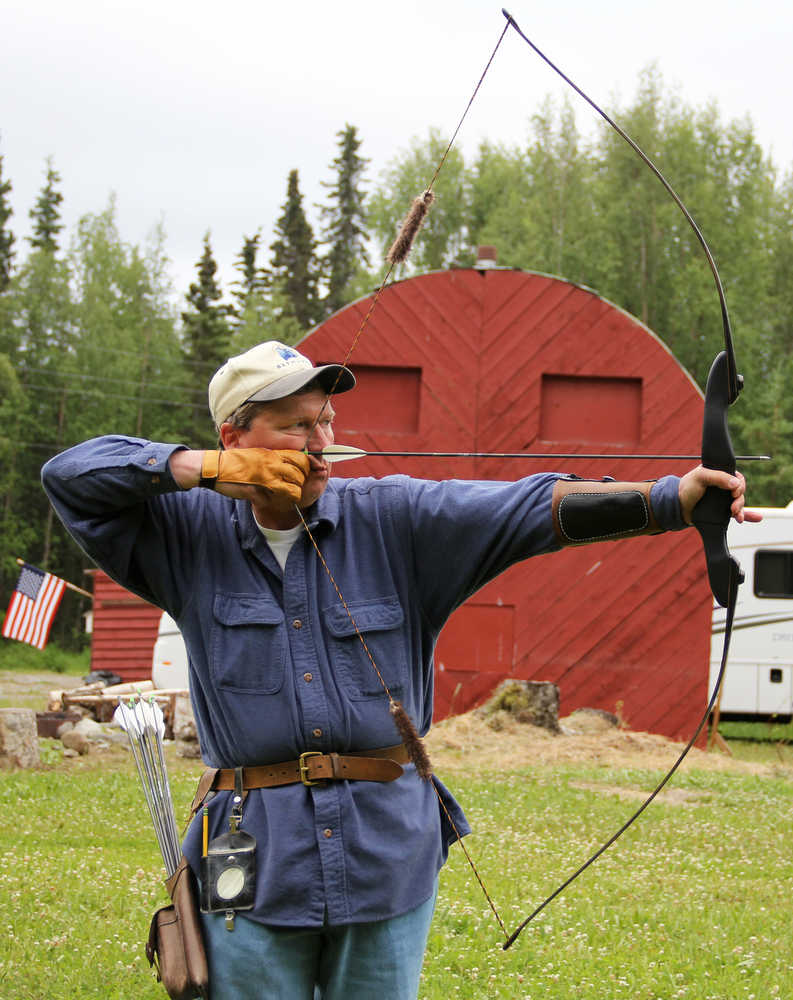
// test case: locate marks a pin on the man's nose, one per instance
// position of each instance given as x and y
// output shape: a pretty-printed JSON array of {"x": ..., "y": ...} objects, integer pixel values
[{"x": 321, "y": 435}]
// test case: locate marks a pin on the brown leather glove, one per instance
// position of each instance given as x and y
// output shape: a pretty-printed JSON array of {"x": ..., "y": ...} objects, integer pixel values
[{"x": 281, "y": 472}]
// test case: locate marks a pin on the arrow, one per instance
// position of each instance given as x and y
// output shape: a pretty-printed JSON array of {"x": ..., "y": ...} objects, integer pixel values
[{"x": 345, "y": 452}]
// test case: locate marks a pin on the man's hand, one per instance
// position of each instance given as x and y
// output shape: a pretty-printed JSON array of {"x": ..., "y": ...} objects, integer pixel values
[
  {"x": 694, "y": 483},
  {"x": 280, "y": 472}
]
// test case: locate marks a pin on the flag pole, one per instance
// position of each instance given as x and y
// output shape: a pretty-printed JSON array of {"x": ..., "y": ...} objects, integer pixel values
[{"x": 69, "y": 586}]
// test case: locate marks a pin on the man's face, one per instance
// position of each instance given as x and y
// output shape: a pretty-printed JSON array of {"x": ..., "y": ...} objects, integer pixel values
[{"x": 286, "y": 424}]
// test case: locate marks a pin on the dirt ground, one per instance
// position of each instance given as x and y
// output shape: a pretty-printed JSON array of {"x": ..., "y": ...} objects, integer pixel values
[
  {"x": 468, "y": 743},
  {"x": 21, "y": 690}
]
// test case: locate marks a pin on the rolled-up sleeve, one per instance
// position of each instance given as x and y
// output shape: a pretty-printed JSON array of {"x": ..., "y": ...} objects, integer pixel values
[{"x": 665, "y": 498}]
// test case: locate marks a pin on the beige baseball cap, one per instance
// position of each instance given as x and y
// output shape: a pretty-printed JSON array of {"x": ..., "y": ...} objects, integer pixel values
[{"x": 269, "y": 371}]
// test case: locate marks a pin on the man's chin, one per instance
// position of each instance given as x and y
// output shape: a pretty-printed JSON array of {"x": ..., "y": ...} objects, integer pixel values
[{"x": 313, "y": 489}]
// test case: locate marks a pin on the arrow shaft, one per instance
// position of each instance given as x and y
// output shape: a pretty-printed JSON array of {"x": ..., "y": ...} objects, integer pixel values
[{"x": 331, "y": 456}]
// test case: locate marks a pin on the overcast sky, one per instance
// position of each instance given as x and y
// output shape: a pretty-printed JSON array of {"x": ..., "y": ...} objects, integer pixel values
[{"x": 194, "y": 113}]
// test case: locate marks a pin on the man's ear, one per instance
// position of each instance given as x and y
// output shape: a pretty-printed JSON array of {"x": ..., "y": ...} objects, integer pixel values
[{"x": 229, "y": 435}]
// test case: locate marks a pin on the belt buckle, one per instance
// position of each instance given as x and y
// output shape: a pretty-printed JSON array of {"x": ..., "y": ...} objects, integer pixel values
[{"x": 302, "y": 767}]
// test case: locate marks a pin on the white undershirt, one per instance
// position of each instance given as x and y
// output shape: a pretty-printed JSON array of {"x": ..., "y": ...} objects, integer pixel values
[{"x": 281, "y": 542}]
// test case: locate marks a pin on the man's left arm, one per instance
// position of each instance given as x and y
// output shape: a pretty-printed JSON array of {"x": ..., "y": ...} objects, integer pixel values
[{"x": 586, "y": 511}]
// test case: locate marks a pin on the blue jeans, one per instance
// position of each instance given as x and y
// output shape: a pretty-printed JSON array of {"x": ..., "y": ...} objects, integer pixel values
[{"x": 381, "y": 959}]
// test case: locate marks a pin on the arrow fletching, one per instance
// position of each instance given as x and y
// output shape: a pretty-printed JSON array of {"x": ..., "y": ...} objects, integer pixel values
[{"x": 341, "y": 453}]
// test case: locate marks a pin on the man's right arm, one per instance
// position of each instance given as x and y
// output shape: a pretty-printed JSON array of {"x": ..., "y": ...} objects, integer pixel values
[
  {"x": 118, "y": 499},
  {"x": 123, "y": 500}
]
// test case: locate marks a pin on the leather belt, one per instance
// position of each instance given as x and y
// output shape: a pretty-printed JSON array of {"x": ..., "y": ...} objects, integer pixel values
[{"x": 310, "y": 768}]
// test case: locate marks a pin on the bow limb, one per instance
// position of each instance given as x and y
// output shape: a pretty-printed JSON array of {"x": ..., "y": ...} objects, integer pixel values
[{"x": 711, "y": 516}]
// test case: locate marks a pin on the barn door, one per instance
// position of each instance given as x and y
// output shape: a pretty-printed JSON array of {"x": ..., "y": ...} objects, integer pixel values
[{"x": 475, "y": 651}]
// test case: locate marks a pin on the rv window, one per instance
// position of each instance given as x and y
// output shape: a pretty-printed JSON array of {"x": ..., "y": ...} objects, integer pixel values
[{"x": 773, "y": 573}]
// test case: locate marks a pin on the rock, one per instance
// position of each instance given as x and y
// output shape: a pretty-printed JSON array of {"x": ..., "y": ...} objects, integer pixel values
[
  {"x": 188, "y": 749},
  {"x": 19, "y": 738},
  {"x": 76, "y": 740},
  {"x": 64, "y": 727},
  {"x": 90, "y": 729},
  {"x": 184, "y": 727},
  {"x": 532, "y": 702},
  {"x": 116, "y": 736}
]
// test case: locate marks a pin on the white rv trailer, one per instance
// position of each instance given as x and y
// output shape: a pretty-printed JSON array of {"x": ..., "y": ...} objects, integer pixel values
[{"x": 758, "y": 682}]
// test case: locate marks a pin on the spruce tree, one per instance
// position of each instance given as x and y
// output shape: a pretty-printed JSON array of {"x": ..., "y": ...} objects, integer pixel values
[
  {"x": 46, "y": 213},
  {"x": 6, "y": 236},
  {"x": 252, "y": 282},
  {"x": 344, "y": 220},
  {"x": 294, "y": 264},
  {"x": 206, "y": 330}
]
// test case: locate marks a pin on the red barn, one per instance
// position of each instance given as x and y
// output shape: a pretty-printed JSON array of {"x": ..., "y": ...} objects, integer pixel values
[
  {"x": 503, "y": 360},
  {"x": 124, "y": 628}
]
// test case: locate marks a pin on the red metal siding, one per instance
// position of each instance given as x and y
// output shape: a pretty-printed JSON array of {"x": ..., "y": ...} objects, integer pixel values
[
  {"x": 617, "y": 625},
  {"x": 124, "y": 630}
]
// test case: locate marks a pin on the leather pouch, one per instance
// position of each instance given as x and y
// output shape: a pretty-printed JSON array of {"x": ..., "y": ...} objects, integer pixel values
[{"x": 176, "y": 945}]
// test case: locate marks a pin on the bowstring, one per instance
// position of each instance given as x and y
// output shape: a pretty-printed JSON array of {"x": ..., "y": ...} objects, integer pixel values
[
  {"x": 382, "y": 680},
  {"x": 362, "y": 326}
]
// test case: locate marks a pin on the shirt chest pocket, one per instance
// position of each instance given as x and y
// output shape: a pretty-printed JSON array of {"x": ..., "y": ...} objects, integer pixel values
[
  {"x": 248, "y": 647},
  {"x": 381, "y": 623}
]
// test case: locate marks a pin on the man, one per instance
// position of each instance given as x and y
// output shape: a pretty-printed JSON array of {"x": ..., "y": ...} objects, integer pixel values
[{"x": 347, "y": 863}]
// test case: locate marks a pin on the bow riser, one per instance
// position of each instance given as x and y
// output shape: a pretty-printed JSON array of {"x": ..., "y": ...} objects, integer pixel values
[{"x": 712, "y": 514}]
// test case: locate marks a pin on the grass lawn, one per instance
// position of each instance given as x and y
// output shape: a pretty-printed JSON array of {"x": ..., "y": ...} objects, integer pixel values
[
  {"x": 27, "y": 675},
  {"x": 693, "y": 902},
  {"x": 17, "y": 656}
]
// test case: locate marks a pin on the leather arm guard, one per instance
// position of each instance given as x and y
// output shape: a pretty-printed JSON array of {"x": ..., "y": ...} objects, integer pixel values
[{"x": 593, "y": 511}]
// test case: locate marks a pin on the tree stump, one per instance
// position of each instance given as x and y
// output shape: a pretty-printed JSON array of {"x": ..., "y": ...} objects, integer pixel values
[
  {"x": 19, "y": 738},
  {"x": 532, "y": 702}
]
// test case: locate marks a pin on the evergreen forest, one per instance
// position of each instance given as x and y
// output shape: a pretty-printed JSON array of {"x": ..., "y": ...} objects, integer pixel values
[{"x": 94, "y": 339}]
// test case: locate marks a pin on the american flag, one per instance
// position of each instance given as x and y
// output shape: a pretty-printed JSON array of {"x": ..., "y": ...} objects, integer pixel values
[{"x": 33, "y": 605}]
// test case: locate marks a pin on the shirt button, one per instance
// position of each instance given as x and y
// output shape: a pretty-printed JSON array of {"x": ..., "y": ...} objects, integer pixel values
[
  {"x": 297, "y": 623},
  {"x": 151, "y": 461},
  {"x": 327, "y": 833},
  {"x": 308, "y": 678},
  {"x": 316, "y": 732}
]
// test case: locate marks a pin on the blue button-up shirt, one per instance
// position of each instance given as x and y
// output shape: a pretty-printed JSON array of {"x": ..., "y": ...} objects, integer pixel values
[{"x": 276, "y": 667}]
